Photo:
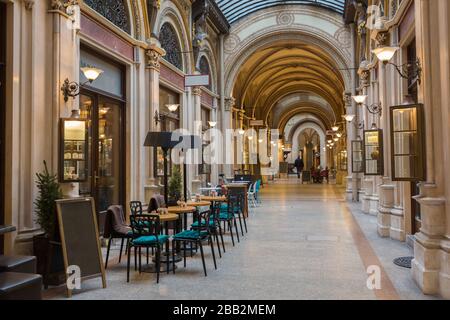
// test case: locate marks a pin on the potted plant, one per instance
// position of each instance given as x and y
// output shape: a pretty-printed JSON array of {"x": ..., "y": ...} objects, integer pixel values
[
  {"x": 175, "y": 186},
  {"x": 49, "y": 256}
]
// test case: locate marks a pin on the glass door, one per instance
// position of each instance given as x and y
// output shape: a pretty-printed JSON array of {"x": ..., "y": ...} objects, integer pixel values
[{"x": 105, "y": 161}]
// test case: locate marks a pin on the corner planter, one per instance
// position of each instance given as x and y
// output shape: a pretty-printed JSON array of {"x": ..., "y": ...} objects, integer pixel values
[{"x": 50, "y": 263}]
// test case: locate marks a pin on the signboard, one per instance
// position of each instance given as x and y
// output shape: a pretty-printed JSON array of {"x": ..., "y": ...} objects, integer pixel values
[
  {"x": 257, "y": 123},
  {"x": 79, "y": 238},
  {"x": 196, "y": 80}
]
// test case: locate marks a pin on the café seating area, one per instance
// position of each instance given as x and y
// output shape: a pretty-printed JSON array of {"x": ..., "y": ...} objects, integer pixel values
[{"x": 159, "y": 237}]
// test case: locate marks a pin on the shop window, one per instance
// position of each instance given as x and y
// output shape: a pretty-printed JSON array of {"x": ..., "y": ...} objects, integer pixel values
[
  {"x": 373, "y": 153},
  {"x": 407, "y": 143},
  {"x": 169, "y": 42},
  {"x": 115, "y": 11},
  {"x": 357, "y": 156}
]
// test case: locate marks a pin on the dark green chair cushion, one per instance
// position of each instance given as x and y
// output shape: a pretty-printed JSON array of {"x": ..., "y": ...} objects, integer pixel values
[
  {"x": 196, "y": 224},
  {"x": 190, "y": 235},
  {"x": 148, "y": 240}
]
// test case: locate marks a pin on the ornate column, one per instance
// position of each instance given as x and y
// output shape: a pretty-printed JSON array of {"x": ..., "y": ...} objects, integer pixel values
[
  {"x": 351, "y": 189},
  {"x": 227, "y": 123},
  {"x": 387, "y": 187},
  {"x": 197, "y": 130},
  {"x": 431, "y": 264},
  {"x": 153, "y": 56}
]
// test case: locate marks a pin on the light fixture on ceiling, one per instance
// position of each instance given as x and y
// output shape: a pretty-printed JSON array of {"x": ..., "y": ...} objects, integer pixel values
[
  {"x": 409, "y": 70},
  {"x": 335, "y": 128},
  {"x": 260, "y": 140},
  {"x": 241, "y": 132},
  {"x": 336, "y": 139},
  {"x": 338, "y": 134},
  {"x": 72, "y": 88}
]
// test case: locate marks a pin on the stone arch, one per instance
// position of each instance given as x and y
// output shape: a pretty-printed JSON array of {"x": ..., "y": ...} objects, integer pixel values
[
  {"x": 243, "y": 41},
  {"x": 212, "y": 66},
  {"x": 295, "y": 145},
  {"x": 169, "y": 13}
]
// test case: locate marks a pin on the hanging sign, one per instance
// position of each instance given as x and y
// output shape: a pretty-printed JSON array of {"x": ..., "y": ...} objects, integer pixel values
[
  {"x": 196, "y": 80},
  {"x": 257, "y": 123}
]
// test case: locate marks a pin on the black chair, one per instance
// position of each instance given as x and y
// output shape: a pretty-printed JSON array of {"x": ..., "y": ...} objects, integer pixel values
[
  {"x": 135, "y": 207},
  {"x": 147, "y": 234},
  {"x": 196, "y": 236},
  {"x": 214, "y": 227},
  {"x": 116, "y": 228},
  {"x": 227, "y": 215}
]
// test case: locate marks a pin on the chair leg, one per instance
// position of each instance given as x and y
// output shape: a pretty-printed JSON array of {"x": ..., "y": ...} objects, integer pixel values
[
  {"x": 184, "y": 250},
  {"x": 107, "y": 253},
  {"x": 135, "y": 259},
  {"x": 213, "y": 253},
  {"x": 221, "y": 238},
  {"x": 218, "y": 243},
  {"x": 128, "y": 262},
  {"x": 158, "y": 262},
  {"x": 168, "y": 255},
  {"x": 173, "y": 256},
  {"x": 236, "y": 228},
  {"x": 147, "y": 254},
  {"x": 121, "y": 248},
  {"x": 140, "y": 261},
  {"x": 245, "y": 222},
  {"x": 240, "y": 223},
  {"x": 231, "y": 232},
  {"x": 203, "y": 257}
]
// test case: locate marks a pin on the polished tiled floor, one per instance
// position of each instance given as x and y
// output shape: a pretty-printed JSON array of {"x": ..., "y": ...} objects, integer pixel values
[{"x": 304, "y": 242}]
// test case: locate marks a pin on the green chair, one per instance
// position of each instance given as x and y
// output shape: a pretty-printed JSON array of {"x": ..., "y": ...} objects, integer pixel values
[
  {"x": 196, "y": 236},
  {"x": 147, "y": 234}
]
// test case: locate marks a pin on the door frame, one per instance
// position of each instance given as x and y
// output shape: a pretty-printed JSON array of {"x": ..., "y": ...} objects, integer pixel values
[
  {"x": 2, "y": 115},
  {"x": 96, "y": 95}
]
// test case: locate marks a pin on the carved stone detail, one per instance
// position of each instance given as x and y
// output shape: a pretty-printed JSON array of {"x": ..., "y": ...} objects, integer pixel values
[
  {"x": 29, "y": 4},
  {"x": 62, "y": 5},
  {"x": 381, "y": 39},
  {"x": 285, "y": 19},
  {"x": 153, "y": 59},
  {"x": 197, "y": 91},
  {"x": 347, "y": 99},
  {"x": 229, "y": 103},
  {"x": 364, "y": 78}
]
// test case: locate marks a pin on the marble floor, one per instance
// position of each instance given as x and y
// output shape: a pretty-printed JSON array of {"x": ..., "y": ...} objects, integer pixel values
[{"x": 304, "y": 242}]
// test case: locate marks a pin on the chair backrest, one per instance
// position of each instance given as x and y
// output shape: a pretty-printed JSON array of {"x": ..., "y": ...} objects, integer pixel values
[
  {"x": 146, "y": 225},
  {"x": 156, "y": 202},
  {"x": 203, "y": 219},
  {"x": 135, "y": 207},
  {"x": 258, "y": 185},
  {"x": 115, "y": 221}
]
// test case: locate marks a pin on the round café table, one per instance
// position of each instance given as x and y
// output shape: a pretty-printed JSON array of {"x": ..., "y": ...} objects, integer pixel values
[
  {"x": 182, "y": 211},
  {"x": 151, "y": 268}
]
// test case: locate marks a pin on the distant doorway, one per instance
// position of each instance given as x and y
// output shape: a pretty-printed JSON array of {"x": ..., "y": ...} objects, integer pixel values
[{"x": 2, "y": 114}]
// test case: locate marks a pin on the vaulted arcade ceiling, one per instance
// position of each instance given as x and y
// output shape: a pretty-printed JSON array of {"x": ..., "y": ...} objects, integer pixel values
[{"x": 236, "y": 9}]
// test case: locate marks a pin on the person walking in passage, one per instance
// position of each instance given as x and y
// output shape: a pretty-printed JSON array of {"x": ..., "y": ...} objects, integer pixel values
[{"x": 299, "y": 165}]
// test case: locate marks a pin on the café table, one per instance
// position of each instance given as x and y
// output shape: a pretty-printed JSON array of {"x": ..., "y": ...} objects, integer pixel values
[
  {"x": 182, "y": 212},
  {"x": 150, "y": 268}
]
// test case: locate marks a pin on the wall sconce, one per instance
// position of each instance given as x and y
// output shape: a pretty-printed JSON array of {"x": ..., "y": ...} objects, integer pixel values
[
  {"x": 172, "y": 107},
  {"x": 375, "y": 108},
  {"x": 349, "y": 117},
  {"x": 212, "y": 124},
  {"x": 159, "y": 117},
  {"x": 72, "y": 88},
  {"x": 407, "y": 70}
]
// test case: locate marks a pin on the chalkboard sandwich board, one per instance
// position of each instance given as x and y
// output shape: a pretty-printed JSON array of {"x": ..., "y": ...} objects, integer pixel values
[{"x": 79, "y": 238}]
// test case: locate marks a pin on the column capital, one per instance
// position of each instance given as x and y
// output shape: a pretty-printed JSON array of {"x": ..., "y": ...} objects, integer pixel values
[
  {"x": 29, "y": 4},
  {"x": 229, "y": 103},
  {"x": 197, "y": 91},
  {"x": 153, "y": 56},
  {"x": 60, "y": 6},
  {"x": 364, "y": 78},
  {"x": 347, "y": 97},
  {"x": 381, "y": 38}
]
